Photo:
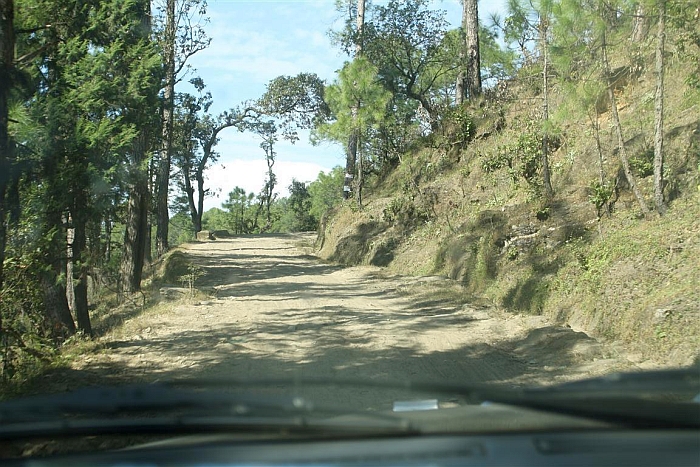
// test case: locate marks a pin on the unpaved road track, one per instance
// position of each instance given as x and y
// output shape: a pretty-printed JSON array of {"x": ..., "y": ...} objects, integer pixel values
[{"x": 275, "y": 311}]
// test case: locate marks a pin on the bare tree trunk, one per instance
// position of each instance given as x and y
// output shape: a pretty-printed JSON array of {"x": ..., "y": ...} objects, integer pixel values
[
  {"x": 360, "y": 175},
  {"x": 54, "y": 290},
  {"x": 618, "y": 131},
  {"x": 96, "y": 248},
  {"x": 469, "y": 77},
  {"x": 599, "y": 147},
  {"x": 460, "y": 85},
  {"x": 163, "y": 214},
  {"x": 640, "y": 29},
  {"x": 7, "y": 56},
  {"x": 360, "y": 26},
  {"x": 471, "y": 31},
  {"x": 595, "y": 124},
  {"x": 152, "y": 216},
  {"x": 134, "y": 239},
  {"x": 544, "y": 31},
  {"x": 108, "y": 237},
  {"x": 270, "y": 186},
  {"x": 659, "y": 113},
  {"x": 350, "y": 160},
  {"x": 78, "y": 259},
  {"x": 80, "y": 276},
  {"x": 70, "y": 289},
  {"x": 200, "y": 200},
  {"x": 56, "y": 305},
  {"x": 351, "y": 148},
  {"x": 136, "y": 222},
  {"x": 195, "y": 216}
]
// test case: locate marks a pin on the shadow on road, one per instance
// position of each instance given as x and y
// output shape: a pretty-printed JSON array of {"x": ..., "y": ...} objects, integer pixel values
[{"x": 309, "y": 336}]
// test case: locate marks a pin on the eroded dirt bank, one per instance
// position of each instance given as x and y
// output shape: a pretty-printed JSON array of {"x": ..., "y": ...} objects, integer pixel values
[{"x": 273, "y": 310}]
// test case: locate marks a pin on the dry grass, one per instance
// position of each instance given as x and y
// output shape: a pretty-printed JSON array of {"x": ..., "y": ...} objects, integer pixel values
[{"x": 628, "y": 280}]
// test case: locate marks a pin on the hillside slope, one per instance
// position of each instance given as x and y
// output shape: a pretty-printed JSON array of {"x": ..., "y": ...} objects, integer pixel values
[{"x": 621, "y": 277}]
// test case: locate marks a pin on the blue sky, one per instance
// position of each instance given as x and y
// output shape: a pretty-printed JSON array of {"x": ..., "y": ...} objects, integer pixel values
[{"x": 254, "y": 42}]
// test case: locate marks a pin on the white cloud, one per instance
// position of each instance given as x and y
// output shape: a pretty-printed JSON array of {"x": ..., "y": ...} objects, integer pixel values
[{"x": 254, "y": 46}]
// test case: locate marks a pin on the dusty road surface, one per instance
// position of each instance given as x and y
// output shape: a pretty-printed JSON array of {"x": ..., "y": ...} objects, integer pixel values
[{"x": 272, "y": 310}]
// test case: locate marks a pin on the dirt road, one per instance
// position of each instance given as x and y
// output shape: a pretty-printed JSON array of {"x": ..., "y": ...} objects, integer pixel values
[{"x": 274, "y": 310}]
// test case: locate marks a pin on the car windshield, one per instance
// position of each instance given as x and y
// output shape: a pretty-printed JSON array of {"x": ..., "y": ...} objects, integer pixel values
[{"x": 284, "y": 213}]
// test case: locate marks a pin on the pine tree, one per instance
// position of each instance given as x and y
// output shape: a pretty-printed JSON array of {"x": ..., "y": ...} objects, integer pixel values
[
  {"x": 357, "y": 82},
  {"x": 659, "y": 111},
  {"x": 532, "y": 22},
  {"x": 584, "y": 34}
]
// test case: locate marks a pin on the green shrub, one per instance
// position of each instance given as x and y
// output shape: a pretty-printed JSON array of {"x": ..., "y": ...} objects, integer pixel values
[
  {"x": 642, "y": 165},
  {"x": 600, "y": 195},
  {"x": 522, "y": 159}
]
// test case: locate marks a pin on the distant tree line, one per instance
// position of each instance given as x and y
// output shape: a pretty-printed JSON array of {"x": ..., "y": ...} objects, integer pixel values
[{"x": 243, "y": 212}]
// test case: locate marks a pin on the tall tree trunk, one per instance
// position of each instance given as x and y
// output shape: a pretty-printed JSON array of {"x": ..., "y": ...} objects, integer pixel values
[
  {"x": 360, "y": 26},
  {"x": 350, "y": 159},
  {"x": 7, "y": 56},
  {"x": 546, "y": 180},
  {"x": 96, "y": 248},
  {"x": 163, "y": 214},
  {"x": 53, "y": 232},
  {"x": 640, "y": 28},
  {"x": 54, "y": 290},
  {"x": 360, "y": 176},
  {"x": 470, "y": 20},
  {"x": 599, "y": 147},
  {"x": 70, "y": 289},
  {"x": 595, "y": 125},
  {"x": 56, "y": 304},
  {"x": 134, "y": 238},
  {"x": 270, "y": 186},
  {"x": 136, "y": 222},
  {"x": 108, "y": 242},
  {"x": 3, "y": 234},
  {"x": 80, "y": 273},
  {"x": 197, "y": 220},
  {"x": 618, "y": 132},
  {"x": 152, "y": 216},
  {"x": 79, "y": 256},
  {"x": 351, "y": 148},
  {"x": 189, "y": 190},
  {"x": 659, "y": 113},
  {"x": 460, "y": 88},
  {"x": 461, "y": 84}
]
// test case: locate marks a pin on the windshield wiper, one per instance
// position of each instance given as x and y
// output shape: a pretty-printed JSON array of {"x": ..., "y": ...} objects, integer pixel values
[
  {"x": 651, "y": 399},
  {"x": 654, "y": 399},
  {"x": 682, "y": 380},
  {"x": 162, "y": 408}
]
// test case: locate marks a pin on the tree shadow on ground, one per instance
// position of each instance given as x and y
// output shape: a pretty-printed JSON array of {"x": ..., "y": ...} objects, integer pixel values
[
  {"x": 318, "y": 340},
  {"x": 242, "y": 268},
  {"x": 229, "y": 353}
]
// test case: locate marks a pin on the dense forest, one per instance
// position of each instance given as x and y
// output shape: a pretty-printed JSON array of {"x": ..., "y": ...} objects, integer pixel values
[{"x": 103, "y": 161}]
